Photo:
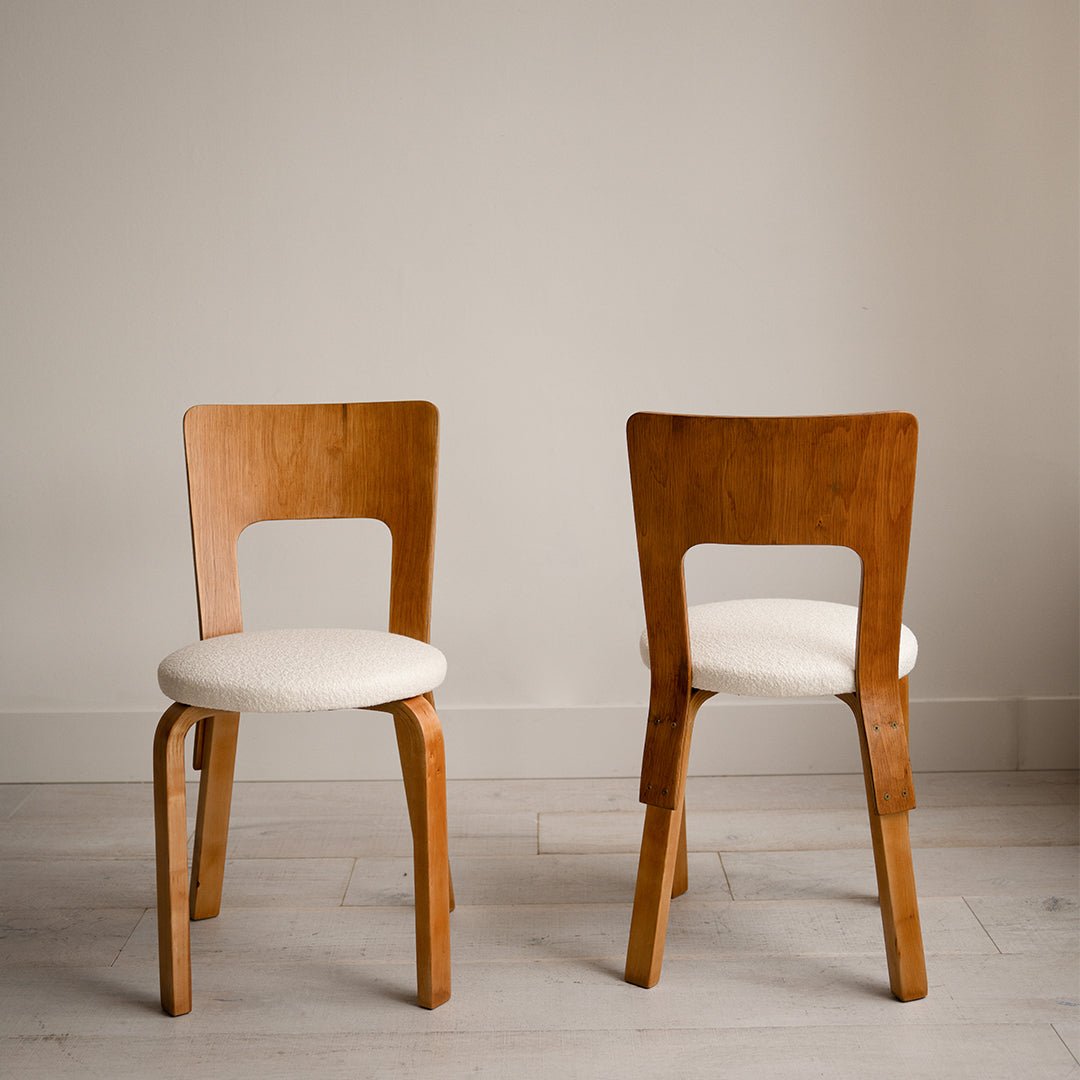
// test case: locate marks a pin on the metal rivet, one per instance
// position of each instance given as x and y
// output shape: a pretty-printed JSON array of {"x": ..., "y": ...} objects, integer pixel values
[
  {"x": 887, "y": 797},
  {"x": 664, "y": 792},
  {"x": 876, "y": 728},
  {"x": 657, "y": 721},
  {"x": 674, "y": 723},
  {"x": 904, "y": 793},
  {"x": 894, "y": 724}
]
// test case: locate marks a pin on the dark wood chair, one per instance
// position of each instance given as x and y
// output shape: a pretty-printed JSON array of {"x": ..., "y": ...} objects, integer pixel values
[
  {"x": 249, "y": 463},
  {"x": 840, "y": 480}
]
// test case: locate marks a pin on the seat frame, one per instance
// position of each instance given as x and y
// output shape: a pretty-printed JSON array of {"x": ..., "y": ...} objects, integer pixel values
[
  {"x": 838, "y": 480},
  {"x": 250, "y": 463}
]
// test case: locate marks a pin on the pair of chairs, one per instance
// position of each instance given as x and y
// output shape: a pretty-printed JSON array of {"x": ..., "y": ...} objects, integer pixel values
[{"x": 840, "y": 480}]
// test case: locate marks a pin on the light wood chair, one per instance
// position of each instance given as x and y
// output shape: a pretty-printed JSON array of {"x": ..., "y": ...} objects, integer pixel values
[
  {"x": 249, "y": 463},
  {"x": 839, "y": 480}
]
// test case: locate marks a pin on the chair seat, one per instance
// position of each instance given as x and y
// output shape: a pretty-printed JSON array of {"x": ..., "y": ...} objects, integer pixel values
[
  {"x": 778, "y": 648},
  {"x": 274, "y": 671}
]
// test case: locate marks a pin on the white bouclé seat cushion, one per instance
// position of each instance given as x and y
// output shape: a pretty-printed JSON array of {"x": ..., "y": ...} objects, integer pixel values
[
  {"x": 301, "y": 670},
  {"x": 778, "y": 648}
]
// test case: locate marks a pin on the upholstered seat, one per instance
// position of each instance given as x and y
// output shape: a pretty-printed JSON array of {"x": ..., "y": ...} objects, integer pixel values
[
  {"x": 301, "y": 670},
  {"x": 778, "y": 648}
]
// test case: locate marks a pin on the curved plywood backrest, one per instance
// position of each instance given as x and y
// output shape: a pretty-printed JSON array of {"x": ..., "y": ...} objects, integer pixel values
[
  {"x": 249, "y": 463},
  {"x": 842, "y": 480}
]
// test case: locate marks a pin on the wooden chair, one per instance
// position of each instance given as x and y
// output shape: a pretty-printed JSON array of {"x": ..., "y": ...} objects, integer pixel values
[
  {"x": 840, "y": 480},
  {"x": 249, "y": 463}
]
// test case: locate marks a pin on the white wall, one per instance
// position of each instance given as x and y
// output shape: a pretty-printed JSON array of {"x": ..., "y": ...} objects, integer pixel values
[{"x": 541, "y": 216}]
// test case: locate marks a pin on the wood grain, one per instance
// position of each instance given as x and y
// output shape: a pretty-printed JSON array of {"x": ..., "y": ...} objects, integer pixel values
[
  {"x": 170, "y": 833},
  {"x": 840, "y": 480},
  {"x": 250, "y": 463},
  {"x": 974, "y": 1051},
  {"x": 706, "y": 991},
  {"x": 657, "y": 869},
  {"x": 420, "y": 744},
  {"x": 951, "y": 871},
  {"x": 217, "y": 760}
]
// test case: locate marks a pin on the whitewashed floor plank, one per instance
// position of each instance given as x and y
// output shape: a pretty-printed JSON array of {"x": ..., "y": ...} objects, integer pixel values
[
  {"x": 87, "y": 838},
  {"x": 1030, "y": 924},
  {"x": 122, "y": 883},
  {"x": 915, "y": 1052},
  {"x": 531, "y": 879},
  {"x": 790, "y": 981},
  {"x": 377, "y": 834},
  {"x": 81, "y": 938},
  {"x": 1005, "y": 871},
  {"x": 846, "y": 791},
  {"x": 75, "y": 802},
  {"x": 12, "y": 796},
  {"x": 701, "y": 991},
  {"x": 562, "y": 932},
  {"x": 793, "y": 830},
  {"x": 297, "y": 837}
]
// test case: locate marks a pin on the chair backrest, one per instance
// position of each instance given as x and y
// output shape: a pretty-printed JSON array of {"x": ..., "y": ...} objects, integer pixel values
[
  {"x": 847, "y": 481},
  {"x": 248, "y": 463}
]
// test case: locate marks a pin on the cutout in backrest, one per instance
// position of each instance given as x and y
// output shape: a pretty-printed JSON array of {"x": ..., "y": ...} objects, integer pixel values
[
  {"x": 315, "y": 572},
  {"x": 748, "y": 571}
]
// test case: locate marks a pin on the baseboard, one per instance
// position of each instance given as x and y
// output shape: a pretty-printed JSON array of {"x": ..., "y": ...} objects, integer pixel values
[{"x": 732, "y": 737}]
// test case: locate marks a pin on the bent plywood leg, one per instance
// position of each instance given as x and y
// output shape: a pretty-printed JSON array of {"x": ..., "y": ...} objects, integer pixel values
[
  {"x": 663, "y": 849},
  {"x": 420, "y": 744},
  {"x": 895, "y": 879},
  {"x": 170, "y": 832},
  {"x": 218, "y": 757},
  {"x": 652, "y": 896},
  {"x": 681, "y": 882}
]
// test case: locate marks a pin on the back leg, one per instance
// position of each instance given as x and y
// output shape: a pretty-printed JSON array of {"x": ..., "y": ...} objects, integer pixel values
[
  {"x": 895, "y": 875},
  {"x": 218, "y": 758},
  {"x": 681, "y": 882}
]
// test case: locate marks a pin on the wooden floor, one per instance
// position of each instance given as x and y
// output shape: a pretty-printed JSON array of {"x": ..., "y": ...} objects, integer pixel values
[{"x": 774, "y": 967}]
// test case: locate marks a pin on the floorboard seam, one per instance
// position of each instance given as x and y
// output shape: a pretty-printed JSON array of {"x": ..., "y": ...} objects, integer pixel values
[
  {"x": 352, "y": 871},
  {"x": 980, "y": 922},
  {"x": 727, "y": 880},
  {"x": 129, "y": 937},
  {"x": 1065, "y": 1044}
]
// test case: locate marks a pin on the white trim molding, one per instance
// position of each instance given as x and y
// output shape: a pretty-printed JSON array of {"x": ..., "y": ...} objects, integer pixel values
[{"x": 732, "y": 737}]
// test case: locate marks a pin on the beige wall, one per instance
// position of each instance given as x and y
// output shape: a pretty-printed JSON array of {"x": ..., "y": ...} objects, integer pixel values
[{"x": 542, "y": 216}]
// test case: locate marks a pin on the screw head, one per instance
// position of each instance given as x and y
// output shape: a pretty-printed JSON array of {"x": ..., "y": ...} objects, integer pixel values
[
  {"x": 664, "y": 791},
  {"x": 887, "y": 796}
]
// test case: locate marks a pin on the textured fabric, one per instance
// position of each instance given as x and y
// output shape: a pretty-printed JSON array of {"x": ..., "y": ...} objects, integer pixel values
[
  {"x": 301, "y": 670},
  {"x": 778, "y": 648}
]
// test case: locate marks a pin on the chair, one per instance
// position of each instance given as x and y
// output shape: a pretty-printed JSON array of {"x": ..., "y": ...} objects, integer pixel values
[
  {"x": 249, "y": 463},
  {"x": 840, "y": 480}
]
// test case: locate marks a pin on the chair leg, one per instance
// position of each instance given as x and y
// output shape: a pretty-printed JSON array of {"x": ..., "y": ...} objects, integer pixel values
[
  {"x": 895, "y": 879},
  {"x": 212, "y": 821},
  {"x": 420, "y": 745},
  {"x": 652, "y": 896},
  {"x": 170, "y": 832},
  {"x": 681, "y": 882}
]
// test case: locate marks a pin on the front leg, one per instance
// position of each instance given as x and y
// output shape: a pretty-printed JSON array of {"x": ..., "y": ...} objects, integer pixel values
[{"x": 420, "y": 745}]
